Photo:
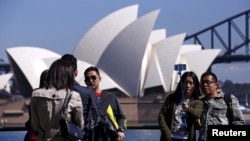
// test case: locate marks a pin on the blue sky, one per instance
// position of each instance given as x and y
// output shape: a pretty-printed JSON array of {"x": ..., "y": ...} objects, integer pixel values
[{"x": 58, "y": 25}]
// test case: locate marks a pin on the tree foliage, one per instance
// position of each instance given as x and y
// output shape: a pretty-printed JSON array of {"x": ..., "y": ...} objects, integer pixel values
[{"x": 240, "y": 90}]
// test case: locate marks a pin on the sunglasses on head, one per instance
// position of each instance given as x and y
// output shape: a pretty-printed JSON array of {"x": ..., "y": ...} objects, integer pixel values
[{"x": 88, "y": 78}]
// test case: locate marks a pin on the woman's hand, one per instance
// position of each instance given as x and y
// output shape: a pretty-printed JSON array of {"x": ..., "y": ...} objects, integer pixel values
[
  {"x": 121, "y": 136},
  {"x": 198, "y": 122},
  {"x": 185, "y": 106}
]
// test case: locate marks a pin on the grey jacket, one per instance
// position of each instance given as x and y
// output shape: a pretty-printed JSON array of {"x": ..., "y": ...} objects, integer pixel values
[
  {"x": 45, "y": 108},
  {"x": 215, "y": 113}
]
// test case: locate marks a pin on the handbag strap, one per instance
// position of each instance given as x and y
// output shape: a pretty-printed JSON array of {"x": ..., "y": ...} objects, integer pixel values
[
  {"x": 66, "y": 102},
  {"x": 94, "y": 103}
]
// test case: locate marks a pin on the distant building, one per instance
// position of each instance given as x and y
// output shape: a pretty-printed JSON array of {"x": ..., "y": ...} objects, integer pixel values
[
  {"x": 4, "y": 68},
  {"x": 131, "y": 55}
]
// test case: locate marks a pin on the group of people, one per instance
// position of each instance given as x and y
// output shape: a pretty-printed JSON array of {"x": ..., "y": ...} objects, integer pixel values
[
  {"x": 47, "y": 102},
  {"x": 195, "y": 105}
]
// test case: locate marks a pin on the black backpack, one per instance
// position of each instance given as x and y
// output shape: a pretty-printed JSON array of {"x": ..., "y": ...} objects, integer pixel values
[{"x": 228, "y": 101}]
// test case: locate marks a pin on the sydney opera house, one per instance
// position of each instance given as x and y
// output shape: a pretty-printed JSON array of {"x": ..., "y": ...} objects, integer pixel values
[{"x": 131, "y": 54}]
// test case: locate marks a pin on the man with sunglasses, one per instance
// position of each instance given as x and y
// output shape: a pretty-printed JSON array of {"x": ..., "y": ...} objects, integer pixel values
[
  {"x": 108, "y": 104},
  {"x": 215, "y": 110}
]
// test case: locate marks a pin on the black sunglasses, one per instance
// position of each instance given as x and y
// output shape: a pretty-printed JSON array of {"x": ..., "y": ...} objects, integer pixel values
[
  {"x": 207, "y": 82},
  {"x": 93, "y": 77}
]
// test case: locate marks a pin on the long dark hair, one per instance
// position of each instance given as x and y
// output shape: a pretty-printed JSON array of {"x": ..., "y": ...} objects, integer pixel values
[
  {"x": 196, "y": 93},
  {"x": 60, "y": 75},
  {"x": 43, "y": 77}
]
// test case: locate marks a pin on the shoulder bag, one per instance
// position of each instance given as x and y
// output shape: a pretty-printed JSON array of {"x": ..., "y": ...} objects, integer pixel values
[
  {"x": 69, "y": 129},
  {"x": 102, "y": 127}
]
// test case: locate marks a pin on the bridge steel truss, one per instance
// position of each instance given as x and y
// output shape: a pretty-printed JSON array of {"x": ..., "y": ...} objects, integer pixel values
[{"x": 230, "y": 35}]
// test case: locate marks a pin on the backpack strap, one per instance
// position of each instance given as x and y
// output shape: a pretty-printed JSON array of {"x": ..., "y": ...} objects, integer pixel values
[{"x": 228, "y": 101}]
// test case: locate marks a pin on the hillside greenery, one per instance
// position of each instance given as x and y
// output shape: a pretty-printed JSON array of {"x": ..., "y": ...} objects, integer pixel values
[{"x": 240, "y": 90}]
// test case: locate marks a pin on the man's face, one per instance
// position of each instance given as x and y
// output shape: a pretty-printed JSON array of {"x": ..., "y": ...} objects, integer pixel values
[
  {"x": 208, "y": 85},
  {"x": 92, "y": 79}
]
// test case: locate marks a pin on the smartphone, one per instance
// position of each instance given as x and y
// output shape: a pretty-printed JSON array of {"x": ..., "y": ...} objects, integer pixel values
[{"x": 180, "y": 67}]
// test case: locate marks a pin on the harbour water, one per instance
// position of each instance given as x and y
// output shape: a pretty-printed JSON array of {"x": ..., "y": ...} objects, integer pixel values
[{"x": 131, "y": 135}]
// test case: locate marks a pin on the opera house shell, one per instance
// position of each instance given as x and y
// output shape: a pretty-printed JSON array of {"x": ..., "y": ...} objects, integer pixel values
[{"x": 130, "y": 54}]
